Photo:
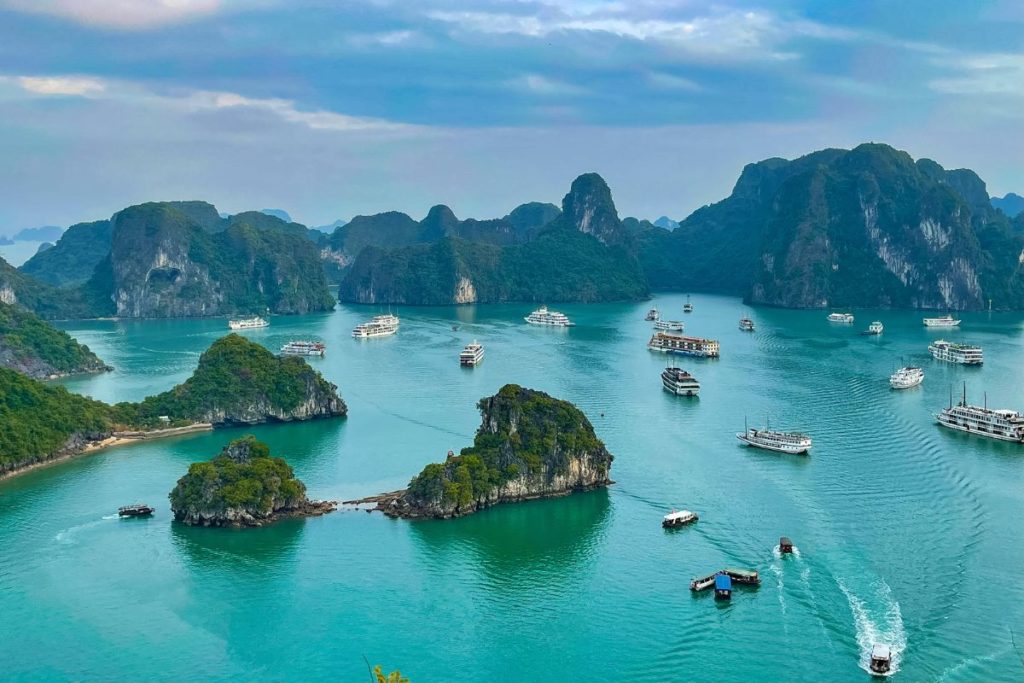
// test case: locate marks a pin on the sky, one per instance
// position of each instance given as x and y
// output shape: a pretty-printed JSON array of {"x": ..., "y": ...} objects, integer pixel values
[{"x": 333, "y": 109}]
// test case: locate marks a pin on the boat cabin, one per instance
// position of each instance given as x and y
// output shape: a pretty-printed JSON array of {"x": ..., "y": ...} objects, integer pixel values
[
  {"x": 136, "y": 510},
  {"x": 881, "y": 659},
  {"x": 785, "y": 545},
  {"x": 723, "y": 587}
]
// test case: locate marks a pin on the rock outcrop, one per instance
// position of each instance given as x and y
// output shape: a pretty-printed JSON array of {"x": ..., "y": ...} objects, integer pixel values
[
  {"x": 37, "y": 349},
  {"x": 529, "y": 445},
  {"x": 242, "y": 487},
  {"x": 239, "y": 382}
]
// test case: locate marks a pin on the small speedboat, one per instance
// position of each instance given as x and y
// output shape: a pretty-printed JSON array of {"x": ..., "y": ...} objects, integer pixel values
[{"x": 881, "y": 659}]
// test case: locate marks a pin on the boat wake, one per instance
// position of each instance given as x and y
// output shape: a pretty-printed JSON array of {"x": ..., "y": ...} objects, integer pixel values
[
  {"x": 67, "y": 536},
  {"x": 882, "y": 624}
]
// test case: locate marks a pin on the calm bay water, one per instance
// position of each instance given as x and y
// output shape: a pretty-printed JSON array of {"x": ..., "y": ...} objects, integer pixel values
[{"x": 906, "y": 534}]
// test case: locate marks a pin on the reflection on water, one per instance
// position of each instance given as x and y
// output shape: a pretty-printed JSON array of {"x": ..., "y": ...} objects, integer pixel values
[{"x": 237, "y": 550}]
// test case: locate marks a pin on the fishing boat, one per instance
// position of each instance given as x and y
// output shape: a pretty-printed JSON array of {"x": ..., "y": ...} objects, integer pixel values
[
  {"x": 135, "y": 510},
  {"x": 378, "y": 326},
  {"x": 746, "y": 325},
  {"x": 846, "y": 318},
  {"x": 303, "y": 348},
  {"x": 678, "y": 518},
  {"x": 943, "y": 321},
  {"x": 664, "y": 342},
  {"x": 1002, "y": 424},
  {"x": 542, "y": 316},
  {"x": 906, "y": 377},
  {"x": 252, "y": 323},
  {"x": 881, "y": 659},
  {"x": 668, "y": 325},
  {"x": 794, "y": 443},
  {"x": 679, "y": 382},
  {"x": 652, "y": 315},
  {"x": 723, "y": 587},
  {"x": 687, "y": 307},
  {"x": 472, "y": 354},
  {"x": 785, "y": 545},
  {"x": 965, "y": 354}
]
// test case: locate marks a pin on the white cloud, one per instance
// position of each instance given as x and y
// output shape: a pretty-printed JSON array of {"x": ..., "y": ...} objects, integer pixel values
[
  {"x": 987, "y": 74},
  {"x": 664, "y": 81},
  {"x": 542, "y": 85},
  {"x": 398, "y": 38},
  {"x": 84, "y": 86},
  {"x": 721, "y": 36},
  {"x": 287, "y": 110},
  {"x": 119, "y": 14}
]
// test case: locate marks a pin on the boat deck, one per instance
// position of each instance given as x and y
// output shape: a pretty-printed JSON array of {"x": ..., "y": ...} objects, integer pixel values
[{"x": 747, "y": 577}]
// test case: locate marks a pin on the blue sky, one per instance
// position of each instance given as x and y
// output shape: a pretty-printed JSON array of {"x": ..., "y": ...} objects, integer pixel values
[{"x": 331, "y": 109}]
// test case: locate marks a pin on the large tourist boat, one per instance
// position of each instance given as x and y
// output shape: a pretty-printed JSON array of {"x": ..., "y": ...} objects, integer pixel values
[
  {"x": 687, "y": 307},
  {"x": 943, "y": 321},
  {"x": 669, "y": 325},
  {"x": 472, "y": 354},
  {"x": 906, "y": 377},
  {"x": 252, "y": 323},
  {"x": 542, "y": 316},
  {"x": 746, "y": 325},
  {"x": 678, "y": 518},
  {"x": 846, "y": 318},
  {"x": 965, "y": 354},
  {"x": 783, "y": 442},
  {"x": 652, "y": 315},
  {"x": 679, "y": 382},
  {"x": 664, "y": 342},
  {"x": 995, "y": 423},
  {"x": 303, "y": 348},
  {"x": 379, "y": 326}
]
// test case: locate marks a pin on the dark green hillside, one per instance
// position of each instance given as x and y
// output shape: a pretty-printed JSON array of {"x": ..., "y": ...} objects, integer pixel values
[
  {"x": 37, "y": 349},
  {"x": 72, "y": 260}
]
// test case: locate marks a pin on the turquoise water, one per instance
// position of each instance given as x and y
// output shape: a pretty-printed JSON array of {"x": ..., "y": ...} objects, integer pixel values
[{"x": 906, "y": 534}]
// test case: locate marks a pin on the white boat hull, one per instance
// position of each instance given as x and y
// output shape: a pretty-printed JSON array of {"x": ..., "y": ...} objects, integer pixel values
[
  {"x": 977, "y": 432},
  {"x": 793, "y": 450}
]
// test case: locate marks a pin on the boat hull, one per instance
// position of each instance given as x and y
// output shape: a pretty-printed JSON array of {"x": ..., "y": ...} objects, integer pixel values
[
  {"x": 792, "y": 450},
  {"x": 977, "y": 432}
]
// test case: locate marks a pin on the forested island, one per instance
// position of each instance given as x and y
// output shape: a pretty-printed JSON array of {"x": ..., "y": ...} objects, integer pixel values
[
  {"x": 242, "y": 486},
  {"x": 529, "y": 445},
  {"x": 35, "y": 348},
  {"x": 236, "y": 382}
]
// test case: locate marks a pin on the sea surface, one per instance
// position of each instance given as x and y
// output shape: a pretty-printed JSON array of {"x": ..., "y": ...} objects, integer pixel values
[{"x": 906, "y": 534}]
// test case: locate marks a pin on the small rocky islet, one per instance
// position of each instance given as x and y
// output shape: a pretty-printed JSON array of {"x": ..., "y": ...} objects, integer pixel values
[
  {"x": 529, "y": 445},
  {"x": 243, "y": 486}
]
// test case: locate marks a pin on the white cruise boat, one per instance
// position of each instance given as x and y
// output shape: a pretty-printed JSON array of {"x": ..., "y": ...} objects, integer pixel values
[
  {"x": 679, "y": 382},
  {"x": 252, "y": 323},
  {"x": 965, "y": 354},
  {"x": 379, "y": 326},
  {"x": 907, "y": 377},
  {"x": 944, "y": 321},
  {"x": 875, "y": 328},
  {"x": 542, "y": 316},
  {"x": 687, "y": 307},
  {"x": 664, "y": 342},
  {"x": 783, "y": 442},
  {"x": 652, "y": 315},
  {"x": 1002, "y": 424},
  {"x": 303, "y": 348},
  {"x": 678, "y": 518},
  {"x": 472, "y": 354},
  {"x": 669, "y": 325},
  {"x": 746, "y": 325},
  {"x": 840, "y": 318}
]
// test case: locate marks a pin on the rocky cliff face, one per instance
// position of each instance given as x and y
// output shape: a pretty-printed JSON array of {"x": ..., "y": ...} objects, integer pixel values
[
  {"x": 243, "y": 486},
  {"x": 861, "y": 227},
  {"x": 588, "y": 207},
  {"x": 529, "y": 445}
]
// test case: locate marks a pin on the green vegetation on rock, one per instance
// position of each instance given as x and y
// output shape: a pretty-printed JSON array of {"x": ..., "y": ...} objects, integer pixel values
[
  {"x": 529, "y": 445},
  {"x": 36, "y": 348},
  {"x": 243, "y": 486}
]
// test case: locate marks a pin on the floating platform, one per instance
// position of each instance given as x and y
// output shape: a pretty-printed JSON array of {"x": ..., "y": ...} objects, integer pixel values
[{"x": 746, "y": 577}]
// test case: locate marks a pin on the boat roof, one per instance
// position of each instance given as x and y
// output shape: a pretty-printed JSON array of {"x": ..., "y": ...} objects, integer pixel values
[
  {"x": 741, "y": 572},
  {"x": 676, "y": 514},
  {"x": 722, "y": 581},
  {"x": 785, "y": 541},
  {"x": 881, "y": 651}
]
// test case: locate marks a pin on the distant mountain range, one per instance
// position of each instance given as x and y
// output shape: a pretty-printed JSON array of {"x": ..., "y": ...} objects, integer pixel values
[
  {"x": 1012, "y": 204},
  {"x": 835, "y": 228},
  {"x": 46, "y": 233}
]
